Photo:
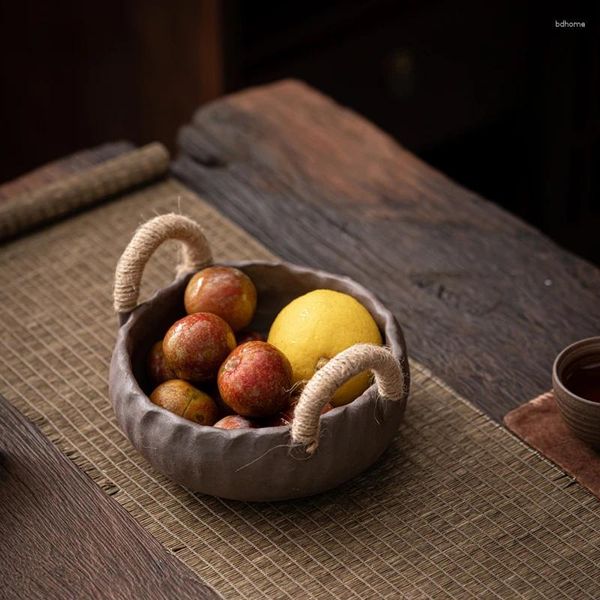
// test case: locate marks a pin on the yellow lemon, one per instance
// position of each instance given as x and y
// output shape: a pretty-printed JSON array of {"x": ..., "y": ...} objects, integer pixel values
[{"x": 315, "y": 327}]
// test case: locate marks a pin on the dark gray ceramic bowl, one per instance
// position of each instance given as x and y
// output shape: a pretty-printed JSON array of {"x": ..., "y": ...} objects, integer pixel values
[
  {"x": 581, "y": 415},
  {"x": 252, "y": 464}
]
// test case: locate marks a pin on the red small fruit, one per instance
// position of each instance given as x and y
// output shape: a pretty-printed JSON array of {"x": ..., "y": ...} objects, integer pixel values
[
  {"x": 158, "y": 368},
  {"x": 213, "y": 392},
  {"x": 185, "y": 400},
  {"x": 196, "y": 345},
  {"x": 223, "y": 291},
  {"x": 250, "y": 336},
  {"x": 255, "y": 380},
  {"x": 234, "y": 422}
]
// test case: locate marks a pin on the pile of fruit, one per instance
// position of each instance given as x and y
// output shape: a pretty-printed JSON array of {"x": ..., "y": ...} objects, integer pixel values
[{"x": 204, "y": 373}]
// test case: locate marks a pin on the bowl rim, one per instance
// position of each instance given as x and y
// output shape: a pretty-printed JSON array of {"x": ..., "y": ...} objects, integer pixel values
[
  {"x": 357, "y": 404},
  {"x": 558, "y": 381}
]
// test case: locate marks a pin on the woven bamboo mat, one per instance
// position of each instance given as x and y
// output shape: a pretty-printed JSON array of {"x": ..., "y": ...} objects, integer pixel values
[{"x": 458, "y": 508}]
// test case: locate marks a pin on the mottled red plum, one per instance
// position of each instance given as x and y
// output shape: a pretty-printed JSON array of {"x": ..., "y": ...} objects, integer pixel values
[
  {"x": 196, "y": 345},
  {"x": 223, "y": 291},
  {"x": 234, "y": 422},
  {"x": 255, "y": 380},
  {"x": 250, "y": 336},
  {"x": 158, "y": 368},
  {"x": 183, "y": 399}
]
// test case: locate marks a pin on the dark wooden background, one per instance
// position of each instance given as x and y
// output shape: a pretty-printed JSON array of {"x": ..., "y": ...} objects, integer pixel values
[{"x": 491, "y": 93}]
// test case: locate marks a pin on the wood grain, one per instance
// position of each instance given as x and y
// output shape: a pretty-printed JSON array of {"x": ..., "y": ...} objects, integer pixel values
[
  {"x": 63, "y": 537},
  {"x": 485, "y": 300}
]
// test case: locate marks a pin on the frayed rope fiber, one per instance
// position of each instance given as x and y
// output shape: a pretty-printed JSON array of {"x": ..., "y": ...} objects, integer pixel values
[
  {"x": 324, "y": 383},
  {"x": 196, "y": 254}
]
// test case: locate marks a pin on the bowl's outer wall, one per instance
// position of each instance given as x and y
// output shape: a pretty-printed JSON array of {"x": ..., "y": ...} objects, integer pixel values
[{"x": 253, "y": 464}]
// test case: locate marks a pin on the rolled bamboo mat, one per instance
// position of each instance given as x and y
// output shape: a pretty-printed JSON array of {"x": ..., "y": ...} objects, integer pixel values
[
  {"x": 62, "y": 167},
  {"x": 78, "y": 189},
  {"x": 457, "y": 508}
]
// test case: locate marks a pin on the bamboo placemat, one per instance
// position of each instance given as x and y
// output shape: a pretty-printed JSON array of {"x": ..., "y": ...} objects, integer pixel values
[
  {"x": 66, "y": 166},
  {"x": 74, "y": 191},
  {"x": 458, "y": 507}
]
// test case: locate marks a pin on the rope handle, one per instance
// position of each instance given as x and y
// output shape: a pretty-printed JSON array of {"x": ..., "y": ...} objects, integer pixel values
[
  {"x": 319, "y": 390},
  {"x": 148, "y": 237}
]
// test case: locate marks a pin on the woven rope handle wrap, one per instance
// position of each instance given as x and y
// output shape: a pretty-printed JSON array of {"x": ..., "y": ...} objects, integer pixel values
[
  {"x": 148, "y": 237},
  {"x": 323, "y": 384}
]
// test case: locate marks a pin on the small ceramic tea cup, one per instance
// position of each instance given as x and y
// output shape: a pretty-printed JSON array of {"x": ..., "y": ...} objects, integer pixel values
[{"x": 581, "y": 415}]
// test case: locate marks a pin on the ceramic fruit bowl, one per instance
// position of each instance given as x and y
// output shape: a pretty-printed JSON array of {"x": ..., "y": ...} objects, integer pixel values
[{"x": 262, "y": 464}]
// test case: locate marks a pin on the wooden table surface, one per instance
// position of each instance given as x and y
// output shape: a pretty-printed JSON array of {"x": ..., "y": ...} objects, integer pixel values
[{"x": 485, "y": 300}]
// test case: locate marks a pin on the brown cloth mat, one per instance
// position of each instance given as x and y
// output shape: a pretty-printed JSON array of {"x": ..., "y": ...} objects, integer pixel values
[
  {"x": 78, "y": 190},
  {"x": 457, "y": 508},
  {"x": 539, "y": 424}
]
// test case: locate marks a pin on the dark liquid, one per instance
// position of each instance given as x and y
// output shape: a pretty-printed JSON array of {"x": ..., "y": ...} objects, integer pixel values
[{"x": 584, "y": 381}]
